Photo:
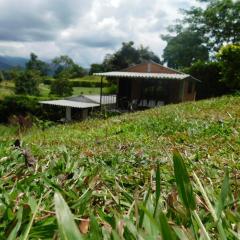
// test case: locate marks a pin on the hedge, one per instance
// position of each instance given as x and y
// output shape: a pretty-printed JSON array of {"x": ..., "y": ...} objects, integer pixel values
[{"x": 82, "y": 83}]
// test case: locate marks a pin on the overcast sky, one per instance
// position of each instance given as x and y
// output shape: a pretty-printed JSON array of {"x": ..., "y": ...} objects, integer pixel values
[{"x": 85, "y": 30}]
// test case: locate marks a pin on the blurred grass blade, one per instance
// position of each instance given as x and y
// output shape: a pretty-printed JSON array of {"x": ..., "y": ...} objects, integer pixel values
[
  {"x": 95, "y": 231},
  {"x": 200, "y": 224},
  {"x": 67, "y": 226},
  {"x": 13, "y": 234},
  {"x": 221, "y": 231},
  {"x": 166, "y": 231},
  {"x": 224, "y": 193},
  {"x": 141, "y": 212},
  {"x": 158, "y": 188},
  {"x": 26, "y": 233},
  {"x": 183, "y": 182}
]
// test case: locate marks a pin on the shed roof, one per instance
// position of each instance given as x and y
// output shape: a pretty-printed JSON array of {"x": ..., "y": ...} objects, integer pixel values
[
  {"x": 82, "y": 101},
  {"x": 148, "y": 70},
  {"x": 176, "y": 76},
  {"x": 68, "y": 103}
]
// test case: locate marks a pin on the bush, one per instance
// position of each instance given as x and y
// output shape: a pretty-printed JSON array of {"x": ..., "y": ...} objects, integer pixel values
[
  {"x": 61, "y": 86},
  {"x": 210, "y": 75},
  {"x": 79, "y": 83},
  {"x": 26, "y": 105},
  {"x": 27, "y": 82},
  {"x": 229, "y": 59}
]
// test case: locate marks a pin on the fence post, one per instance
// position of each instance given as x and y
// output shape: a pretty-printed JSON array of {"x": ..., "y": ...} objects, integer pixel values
[{"x": 101, "y": 90}]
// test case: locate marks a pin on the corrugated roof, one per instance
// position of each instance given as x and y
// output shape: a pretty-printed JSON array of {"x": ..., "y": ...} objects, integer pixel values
[
  {"x": 68, "y": 103},
  {"x": 82, "y": 101},
  {"x": 175, "y": 76}
]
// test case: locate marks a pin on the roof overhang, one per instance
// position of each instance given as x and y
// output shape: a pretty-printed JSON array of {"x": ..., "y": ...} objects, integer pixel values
[
  {"x": 174, "y": 76},
  {"x": 72, "y": 104}
]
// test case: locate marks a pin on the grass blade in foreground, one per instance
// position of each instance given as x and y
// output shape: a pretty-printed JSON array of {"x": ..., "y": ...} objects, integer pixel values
[
  {"x": 167, "y": 233},
  {"x": 158, "y": 188},
  {"x": 183, "y": 182},
  {"x": 67, "y": 226}
]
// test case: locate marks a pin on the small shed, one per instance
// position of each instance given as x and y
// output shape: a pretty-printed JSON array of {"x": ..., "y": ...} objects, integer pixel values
[
  {"x": 84, "y": 103},
  {"x": 151, "y": 84}
]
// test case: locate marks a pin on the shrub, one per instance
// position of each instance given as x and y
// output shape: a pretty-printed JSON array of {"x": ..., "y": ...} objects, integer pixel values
[
  {"x": 210, "y": 75},
  {"x": 27, "y": 82},
  {"x": 61, "y": 86},
  {"x": 229, "y": 59},
  {"x": 26, "y": 105}
]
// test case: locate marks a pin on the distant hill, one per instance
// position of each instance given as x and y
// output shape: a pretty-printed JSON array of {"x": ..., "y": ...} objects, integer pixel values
[{"x": 7, "y": 62}]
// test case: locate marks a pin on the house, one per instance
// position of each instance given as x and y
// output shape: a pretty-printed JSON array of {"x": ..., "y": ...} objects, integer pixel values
[{"x": 150, "y": 84}]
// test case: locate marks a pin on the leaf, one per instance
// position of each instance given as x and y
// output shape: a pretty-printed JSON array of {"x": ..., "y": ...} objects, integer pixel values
[
  {"x": 66, "y": 224},
  {"x": 27, "y": 231},
  {"x": 141, "y": 212},
  {"x": 166, "y": 231},
  {"x": 13, "y": 234},
  {"x": 158, "y": 188},
  {"x": 183, "y": 182},
  {"x": 224, "y": 193},
  {"x": 95, "y": 230}
]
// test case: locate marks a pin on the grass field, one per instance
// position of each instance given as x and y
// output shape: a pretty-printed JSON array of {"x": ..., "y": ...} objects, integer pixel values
[
  {"x": 7, "y": 89},
  {"x": 123, "y": 177}
]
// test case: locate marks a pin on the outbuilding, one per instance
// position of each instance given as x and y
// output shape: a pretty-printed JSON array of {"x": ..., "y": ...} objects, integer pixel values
[{"x": 150, "y": 84}]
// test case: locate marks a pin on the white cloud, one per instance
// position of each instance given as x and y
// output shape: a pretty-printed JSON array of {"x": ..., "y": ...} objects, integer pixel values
[{"x": 86, "y": 30}]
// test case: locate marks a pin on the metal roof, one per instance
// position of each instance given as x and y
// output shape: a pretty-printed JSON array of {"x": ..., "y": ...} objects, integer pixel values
[
  {"x": 82, "y": 101},
  {"x": 175, "y": 76},
  {"x": 68, "y": 103}
]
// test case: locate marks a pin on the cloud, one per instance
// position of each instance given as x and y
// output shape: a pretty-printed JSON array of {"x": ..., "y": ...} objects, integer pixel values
[{"x": 86, "y": 30}]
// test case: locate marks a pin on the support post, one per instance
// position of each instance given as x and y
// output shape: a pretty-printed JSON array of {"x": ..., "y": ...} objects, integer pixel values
[
  {"x": 68, "y": 114},
  {"x": 101, "y": 91}
]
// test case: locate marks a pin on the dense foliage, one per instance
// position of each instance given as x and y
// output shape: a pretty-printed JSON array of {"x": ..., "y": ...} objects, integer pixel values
[
  {"x": 1, "y": 76},
  {"x": 22, "y": 106},
  {"x": 126, "y": 56},
  {"x": 209, "y": 73},
  {"x": 229, "y": 59},
  {"x": 202, "y": 29},
  {"x": 27, "y": 82},
  {"x": 184, "y": 49},
  {"x": 61, "y": 86},
  {"x": 118, "y": 178},
  {"x": 37, "y": 65},
  {"x": 218, "y": 22},
  {"x": 65, "y": 65}
]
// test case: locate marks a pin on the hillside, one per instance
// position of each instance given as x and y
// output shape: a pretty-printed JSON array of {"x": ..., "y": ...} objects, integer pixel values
[
  {"x": 104, "y": 169},
  {"x": 7, "y": 62}
]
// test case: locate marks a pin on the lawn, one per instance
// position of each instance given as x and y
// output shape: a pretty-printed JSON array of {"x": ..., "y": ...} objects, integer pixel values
[
  {"x": 123, "y": 177},
  {"x": 7, "y": 89}
]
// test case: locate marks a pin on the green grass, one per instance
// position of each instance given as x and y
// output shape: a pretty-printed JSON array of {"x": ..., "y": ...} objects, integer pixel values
[
  {"x": 120, "y": 176},
  {"x": 7, "y": 89}
]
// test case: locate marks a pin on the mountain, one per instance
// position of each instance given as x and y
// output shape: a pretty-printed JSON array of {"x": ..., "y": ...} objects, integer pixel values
[{"x": 7, "y": 62}]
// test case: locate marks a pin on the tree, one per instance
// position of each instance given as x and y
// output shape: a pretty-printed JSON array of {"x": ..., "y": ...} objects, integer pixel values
[
  {"x": 1, "y": 76},
  {"x": 146, "y": 54},
  {"x": 219, "y": 21},
  {"x": 184, "y": 49},
  {"x": 229, "y": 59},
  {"x": 66, "y": 64},
  {"x": 37, "y": 65},
  {"x": 126, "y": 56},
  {"x": 27, "y": 82},
  {"x": 95, "y": 68},
  {"x": 61, "y": 86}
]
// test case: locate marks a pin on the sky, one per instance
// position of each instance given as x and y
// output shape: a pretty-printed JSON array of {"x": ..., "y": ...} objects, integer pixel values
[{"x": 85, "y": 30}]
